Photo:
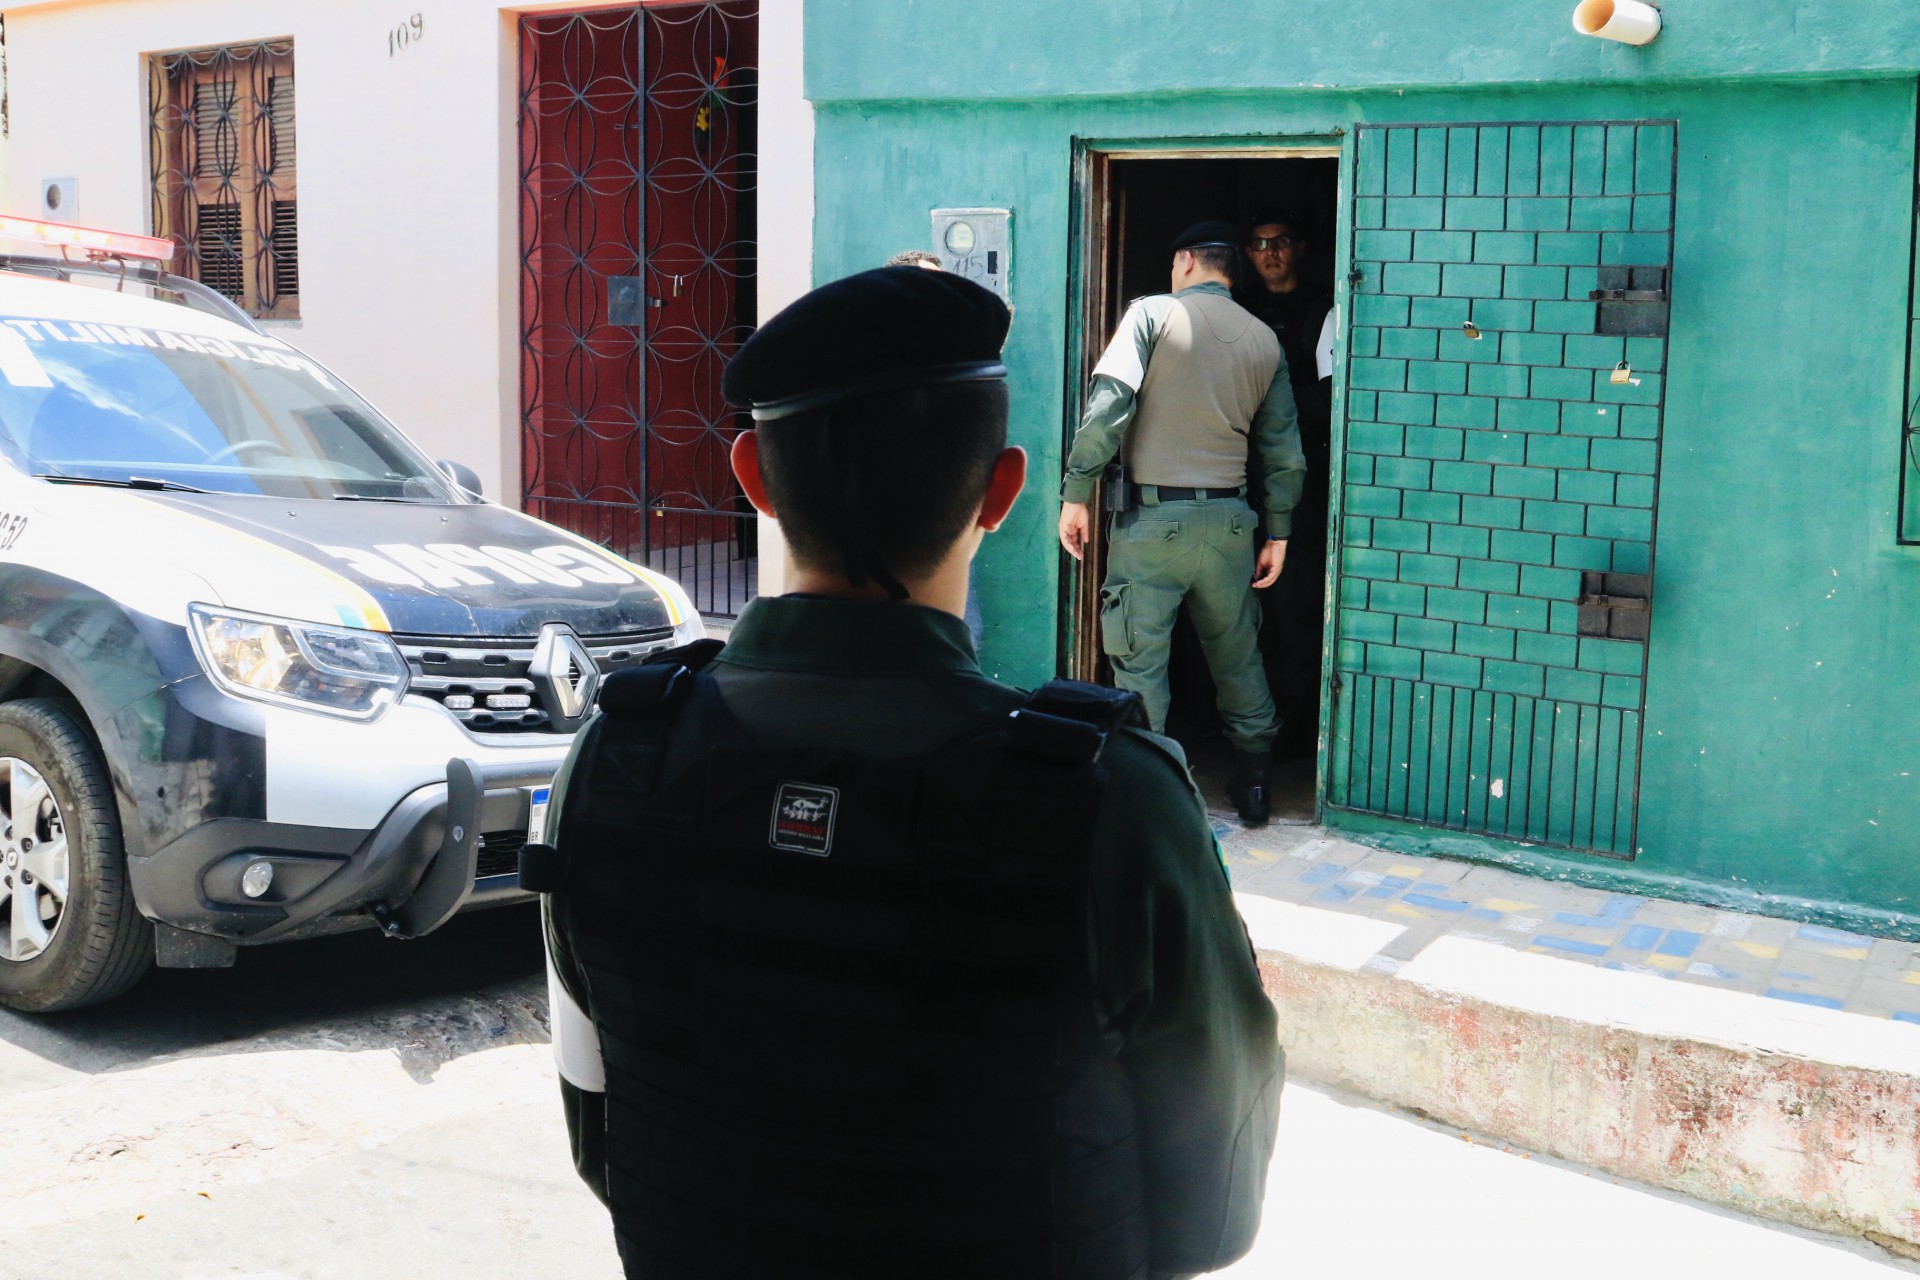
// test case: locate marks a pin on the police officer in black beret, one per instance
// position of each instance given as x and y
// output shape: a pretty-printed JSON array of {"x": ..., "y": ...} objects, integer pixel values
[{"x": 866, "y": 966}]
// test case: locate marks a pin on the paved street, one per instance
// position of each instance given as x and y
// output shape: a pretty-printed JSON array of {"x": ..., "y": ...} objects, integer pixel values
[{"x": 353, "y": 1108}]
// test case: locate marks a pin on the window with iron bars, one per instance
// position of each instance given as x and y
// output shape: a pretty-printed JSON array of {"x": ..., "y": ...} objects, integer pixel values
[{"x": 221, "y": 160}]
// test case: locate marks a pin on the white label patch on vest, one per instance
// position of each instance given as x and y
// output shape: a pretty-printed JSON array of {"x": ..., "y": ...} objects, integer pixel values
[{"x": 803, "y": 818}]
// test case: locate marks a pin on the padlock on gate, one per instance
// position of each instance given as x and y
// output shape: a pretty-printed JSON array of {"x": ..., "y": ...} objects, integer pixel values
[{"x": 1622, "y": 375}]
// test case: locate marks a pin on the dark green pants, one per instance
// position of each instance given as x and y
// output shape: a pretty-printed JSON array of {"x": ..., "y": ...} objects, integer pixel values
[{"x": 1200, "y": 554}]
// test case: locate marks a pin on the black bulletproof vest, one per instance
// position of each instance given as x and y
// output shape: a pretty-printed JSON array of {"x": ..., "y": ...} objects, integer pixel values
[{"x": 844, "y": 1003}]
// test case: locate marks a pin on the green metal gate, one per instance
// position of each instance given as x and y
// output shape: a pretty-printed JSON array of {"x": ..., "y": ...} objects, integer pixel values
[{"x": 1504, "y": 394}]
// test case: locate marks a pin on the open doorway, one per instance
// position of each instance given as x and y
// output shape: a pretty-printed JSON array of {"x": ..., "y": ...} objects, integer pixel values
[{"x": 1133, "y": 205}]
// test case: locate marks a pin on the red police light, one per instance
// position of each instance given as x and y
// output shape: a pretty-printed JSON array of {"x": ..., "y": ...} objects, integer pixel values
[{"x": 104, "y": 244}]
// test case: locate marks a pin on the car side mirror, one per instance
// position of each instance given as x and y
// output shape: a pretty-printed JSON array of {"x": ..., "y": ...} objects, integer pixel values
[{"x": 461, "y": 475}]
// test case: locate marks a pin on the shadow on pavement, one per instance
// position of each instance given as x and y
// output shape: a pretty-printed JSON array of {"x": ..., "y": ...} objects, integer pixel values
[{"x": 473, "y": 984}]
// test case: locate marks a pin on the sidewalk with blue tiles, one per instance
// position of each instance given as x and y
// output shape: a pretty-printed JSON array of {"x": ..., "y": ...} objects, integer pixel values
[{"x": 1297, "y": 862}]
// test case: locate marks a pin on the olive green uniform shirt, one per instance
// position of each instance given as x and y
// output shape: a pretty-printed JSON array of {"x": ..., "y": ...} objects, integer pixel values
[
  {"x": 1178, "y": 991},
  {"x": 1114, "y": 400}
]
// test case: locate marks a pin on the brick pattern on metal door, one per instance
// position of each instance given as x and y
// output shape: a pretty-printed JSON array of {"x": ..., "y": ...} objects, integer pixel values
[{"x": 1506, "y": 366}]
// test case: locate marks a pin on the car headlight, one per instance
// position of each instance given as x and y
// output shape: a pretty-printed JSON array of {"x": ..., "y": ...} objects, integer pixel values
[{"x": 337, "y": 671}]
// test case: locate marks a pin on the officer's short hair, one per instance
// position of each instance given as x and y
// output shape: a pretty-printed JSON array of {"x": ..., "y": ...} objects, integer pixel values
[
  {"x": 918, "y": 460},
  {"x": 1215, "y": 258},
  {"x": 912, "y": 258}
]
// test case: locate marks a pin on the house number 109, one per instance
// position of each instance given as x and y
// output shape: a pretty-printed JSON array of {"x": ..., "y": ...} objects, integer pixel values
[{"x": 405, "y": 34}]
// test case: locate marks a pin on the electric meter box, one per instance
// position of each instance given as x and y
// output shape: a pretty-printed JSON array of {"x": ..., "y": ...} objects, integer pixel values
[{"x": 977, "y": 244}]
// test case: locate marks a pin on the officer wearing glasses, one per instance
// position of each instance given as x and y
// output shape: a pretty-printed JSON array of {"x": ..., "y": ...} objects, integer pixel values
[{"x": 1300, "y": 312}]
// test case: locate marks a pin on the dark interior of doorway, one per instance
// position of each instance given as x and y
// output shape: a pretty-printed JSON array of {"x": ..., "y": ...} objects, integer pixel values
[{"x": 1151, "y": 202}]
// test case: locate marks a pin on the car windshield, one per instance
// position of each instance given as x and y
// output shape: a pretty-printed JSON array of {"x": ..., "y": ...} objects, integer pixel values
[{"x": 118, "y": 403}]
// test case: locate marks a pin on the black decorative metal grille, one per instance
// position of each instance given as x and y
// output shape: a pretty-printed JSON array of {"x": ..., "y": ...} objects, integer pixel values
[
  {"x": 222, "y": 165},
  {"x": 638, "y": 166}
]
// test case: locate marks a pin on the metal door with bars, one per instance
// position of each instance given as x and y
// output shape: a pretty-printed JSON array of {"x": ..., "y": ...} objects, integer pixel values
[
  {"x": 1505, "y": 379},
  {"x": 638, "y": 159}
]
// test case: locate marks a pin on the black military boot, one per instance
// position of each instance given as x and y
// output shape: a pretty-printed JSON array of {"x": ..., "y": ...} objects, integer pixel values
[{"x": 1251, "y": 787}]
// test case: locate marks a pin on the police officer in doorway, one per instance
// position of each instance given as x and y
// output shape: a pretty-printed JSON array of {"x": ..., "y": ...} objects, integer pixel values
[
  {"x": 1189, "y": 389},
  {"x": 863, "y": 965},
  {"x": 1281, "y": 291}
]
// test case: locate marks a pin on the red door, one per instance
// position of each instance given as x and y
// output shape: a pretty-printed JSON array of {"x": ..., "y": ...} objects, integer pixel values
[{"x": 637, "y": 146}]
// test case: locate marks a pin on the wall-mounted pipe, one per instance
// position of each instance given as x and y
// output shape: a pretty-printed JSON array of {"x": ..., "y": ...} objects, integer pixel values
[{"x": 1628, "y": 21}]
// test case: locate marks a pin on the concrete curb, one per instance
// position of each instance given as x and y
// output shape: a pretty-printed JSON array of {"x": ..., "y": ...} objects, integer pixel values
[{"x": 1801, "y": 1115}]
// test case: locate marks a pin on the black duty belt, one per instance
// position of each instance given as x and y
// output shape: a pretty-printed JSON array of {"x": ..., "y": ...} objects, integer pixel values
[{"x": 1174, "y": 493}]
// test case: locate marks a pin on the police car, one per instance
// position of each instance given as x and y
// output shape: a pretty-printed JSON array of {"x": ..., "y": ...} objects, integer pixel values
[{"x": 266, "y": 670}]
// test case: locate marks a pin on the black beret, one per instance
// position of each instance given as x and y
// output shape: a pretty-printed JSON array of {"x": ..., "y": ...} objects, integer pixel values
[
  {"x": 881, "y": 330},
  {"x": 1207, "y": 235}
]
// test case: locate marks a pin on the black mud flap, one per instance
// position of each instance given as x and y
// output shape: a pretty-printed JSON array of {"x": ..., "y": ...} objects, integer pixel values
[
  {"x": 450, "y": 876},
  {"x": 480, "y": 798}
]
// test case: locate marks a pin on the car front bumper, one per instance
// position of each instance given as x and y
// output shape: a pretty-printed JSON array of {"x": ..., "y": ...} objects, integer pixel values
[{"x": 443, "y": 848}]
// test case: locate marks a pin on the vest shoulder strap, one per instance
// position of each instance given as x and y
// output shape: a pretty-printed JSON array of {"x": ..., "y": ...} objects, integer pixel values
[
  {"x": 640, "y": 700},
  {"x": 659, "y": 682},
  {"x": 1068, "y": 721}
]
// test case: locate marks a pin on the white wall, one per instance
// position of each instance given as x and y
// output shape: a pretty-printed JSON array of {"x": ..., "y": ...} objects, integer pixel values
[
  {"x": 404, "y": 238},
  {"x": 409, "y": 207},
  {"x": 786, "y": 206}
]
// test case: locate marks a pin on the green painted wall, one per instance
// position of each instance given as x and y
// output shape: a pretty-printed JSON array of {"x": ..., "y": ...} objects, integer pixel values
[
  {"x": 884, "y": 50},
  {"x": 1782, "y": 758}
]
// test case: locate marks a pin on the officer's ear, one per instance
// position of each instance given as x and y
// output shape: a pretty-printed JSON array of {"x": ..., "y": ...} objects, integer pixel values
[
  {"x": 1009, "y": 478},
  {"x": 746, "y": 469}
]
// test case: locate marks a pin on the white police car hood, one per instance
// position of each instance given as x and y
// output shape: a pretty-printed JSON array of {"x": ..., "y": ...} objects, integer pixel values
[
  {"x": 412, "y": 568},
  {"x": 467, "y": 570}
]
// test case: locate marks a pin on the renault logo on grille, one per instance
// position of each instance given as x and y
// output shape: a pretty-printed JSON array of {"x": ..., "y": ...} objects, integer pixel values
[{"x": 566, "y": 675}]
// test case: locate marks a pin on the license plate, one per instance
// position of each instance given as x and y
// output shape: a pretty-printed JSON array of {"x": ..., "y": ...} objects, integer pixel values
[{"x": 537, "y": 815}]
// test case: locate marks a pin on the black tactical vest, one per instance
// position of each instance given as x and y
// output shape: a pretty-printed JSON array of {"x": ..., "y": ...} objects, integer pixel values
[{"x": 845, "y": 1004}]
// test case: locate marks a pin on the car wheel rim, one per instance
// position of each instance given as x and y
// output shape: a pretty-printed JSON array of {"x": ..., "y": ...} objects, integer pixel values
[{"x": 33, "y": 862}]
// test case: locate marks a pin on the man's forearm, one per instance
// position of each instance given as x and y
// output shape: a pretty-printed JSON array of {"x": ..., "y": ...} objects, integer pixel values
[
  {"x": 1102, "y": 428},
  {"x": 1283, "y": 467},
  {"x": 1285, "y": 480},
  {"x": 1206, "y": 1067},
  {"x": 1206, "y": 1161}
]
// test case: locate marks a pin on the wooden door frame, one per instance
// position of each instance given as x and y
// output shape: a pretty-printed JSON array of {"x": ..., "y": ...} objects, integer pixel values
[{"x": 1095, "y": 227}]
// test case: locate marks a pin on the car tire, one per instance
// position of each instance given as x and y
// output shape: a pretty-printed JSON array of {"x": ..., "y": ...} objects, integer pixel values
[{"x": 97, "y": 945}]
